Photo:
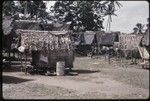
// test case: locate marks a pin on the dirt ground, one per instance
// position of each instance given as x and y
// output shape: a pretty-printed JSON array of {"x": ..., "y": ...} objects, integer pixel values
[{"x": 96, "y": 79}]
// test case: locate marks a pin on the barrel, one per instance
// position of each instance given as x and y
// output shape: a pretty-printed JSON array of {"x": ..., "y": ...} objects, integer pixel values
[{"x": 60, "y": 68}]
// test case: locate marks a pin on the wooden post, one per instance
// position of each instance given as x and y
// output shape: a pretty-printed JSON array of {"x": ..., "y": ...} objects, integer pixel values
[
  {"x": 108, "y": 58},
  {"x": 26, "y": 65},
  {"x": 9, "y": 59},
  {"x": 116, "y": 55},
  {"x": 18, "y": 55},
  {"x": 21, "y": 62},
  {"x": 105, "y": 56},
  {"x": 108, "y": 55},
  {"x": 26, "y": 59},
  {"x": 13, "y": 54},
  {"x": 131, "y": 57}
]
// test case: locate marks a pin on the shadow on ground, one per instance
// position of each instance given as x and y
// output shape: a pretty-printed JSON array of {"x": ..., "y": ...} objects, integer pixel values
[
  {"x": 12, "y": 69},
  {"x": 83, "y": 71},
  {"x": 15, "y": 80}
]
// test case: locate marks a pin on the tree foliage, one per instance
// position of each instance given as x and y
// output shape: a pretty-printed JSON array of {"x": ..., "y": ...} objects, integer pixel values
[
  {"x": 84, "y": 15},
  {"x": 36, "y": 9},
  {"x": 9, "y": 8}
]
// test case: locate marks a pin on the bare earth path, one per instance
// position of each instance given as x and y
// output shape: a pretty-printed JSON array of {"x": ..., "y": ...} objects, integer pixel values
[{"x": 97, "y": 83}]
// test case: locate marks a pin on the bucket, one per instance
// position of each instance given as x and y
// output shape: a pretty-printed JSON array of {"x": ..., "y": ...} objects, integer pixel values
[{"x": 60, "y": 68}]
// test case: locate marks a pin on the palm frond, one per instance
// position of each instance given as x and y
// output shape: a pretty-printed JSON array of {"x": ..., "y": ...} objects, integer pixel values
[{"x": 118, "y": 4}]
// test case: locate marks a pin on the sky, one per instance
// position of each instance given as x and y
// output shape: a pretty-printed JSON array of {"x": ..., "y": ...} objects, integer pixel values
[{"x": 131, "y": 13}]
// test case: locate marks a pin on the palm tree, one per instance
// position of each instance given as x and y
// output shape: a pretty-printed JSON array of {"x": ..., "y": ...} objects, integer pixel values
[
  {"x": 140, "y": 28},
  {"x": 135, "y": 30}
]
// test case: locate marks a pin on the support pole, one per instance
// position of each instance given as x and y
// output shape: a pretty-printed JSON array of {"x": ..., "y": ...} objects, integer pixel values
[
  {"x": 13, "y": 54},
  {"x": 9, "y": 59},
  {"x": 21, "y": 61}
]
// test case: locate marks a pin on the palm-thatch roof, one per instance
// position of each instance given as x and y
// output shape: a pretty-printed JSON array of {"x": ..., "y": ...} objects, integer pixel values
[
  {"x": 106, "y": 39},
  {"x": 7, "y": 25},
  {"x": 38, "y": 25},
  {"x": 27, "y": 25},
  {"x": 56, "y": 27},
  {"x": 45, "y": 40}
]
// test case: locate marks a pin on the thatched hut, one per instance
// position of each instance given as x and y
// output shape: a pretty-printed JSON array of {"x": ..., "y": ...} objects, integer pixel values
[
  {"x": 93, "y": 41},
  {"x": 129, "y": 44},
  {"x": 10, "y": 39},
  {"x": 52, "y": 46},
  {"x": 37, "y": 25},
  {"x": 129, "y": 41},
  {"x": 84, "y": 41},
  {"x": 7, "y": 37},
  {"x": 107, "y": 39}
]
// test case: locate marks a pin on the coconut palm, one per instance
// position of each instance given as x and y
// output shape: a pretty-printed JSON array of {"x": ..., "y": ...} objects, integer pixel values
[
  {"x": 135, "y": 30},
  {"x": 140, "y": 28}
]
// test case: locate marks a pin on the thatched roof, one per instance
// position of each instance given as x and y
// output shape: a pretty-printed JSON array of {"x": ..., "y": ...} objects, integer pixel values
[
  {"x": 107, "y": 39},
  {"x": 27, "y": 25},
  {"x": 38, "y": 25},
  {"x": 57, "y": 27},
  {"x": 6, "y": 25},
  {"x": 145, "y": 39},
  {"x": 61, "y": 27},
  {"x": 45, "y": 40}
]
